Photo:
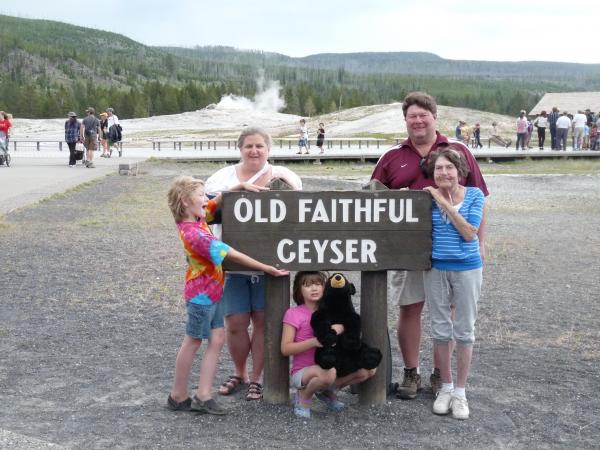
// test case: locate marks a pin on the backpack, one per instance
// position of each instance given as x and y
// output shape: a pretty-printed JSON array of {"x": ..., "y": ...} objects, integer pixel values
[{"x": 115, "y": 133}]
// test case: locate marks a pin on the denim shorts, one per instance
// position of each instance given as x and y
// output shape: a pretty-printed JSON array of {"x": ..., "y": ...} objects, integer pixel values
[
  {"x": 303, "y": 143},
  {"x": 243, "y": 293},
  {"x": 202, "y": 319}
]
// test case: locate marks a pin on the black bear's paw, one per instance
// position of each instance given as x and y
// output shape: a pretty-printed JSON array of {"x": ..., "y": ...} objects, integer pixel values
[
  {"x": 326, "y": 359},
  {"x": 371, "y": 358},
  {"x": 350, "y": 342},
  {"x": 329, "y": 340}
]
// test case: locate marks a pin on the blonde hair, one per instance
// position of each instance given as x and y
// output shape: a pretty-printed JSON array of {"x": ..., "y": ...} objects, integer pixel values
[{"x": 181, "y": 189}]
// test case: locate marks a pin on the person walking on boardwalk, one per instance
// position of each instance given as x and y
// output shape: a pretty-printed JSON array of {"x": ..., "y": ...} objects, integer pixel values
[
  {"x": 541, "y": 123},
  {"x": 563, "y": 125},
  {"x": 521, "y": 130},
  {"x": 477, "y": 136},
  {"x": 72, "y": 136},
  {"x": 303, "y": 139},
  {"x": 114, "y": 131},
  {"x": 90, "y": 130},
  {"x": 321, "y": 138},
  {"x": 552, "y": 118},
  {"x": 104, "y": 134}
]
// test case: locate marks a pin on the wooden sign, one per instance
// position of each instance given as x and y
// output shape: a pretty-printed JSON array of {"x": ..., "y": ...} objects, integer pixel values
[{"x": 341, "y": 230}]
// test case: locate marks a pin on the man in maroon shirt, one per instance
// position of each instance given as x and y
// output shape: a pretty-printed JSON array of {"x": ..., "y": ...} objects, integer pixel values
[{"x": 402, "y": 166}]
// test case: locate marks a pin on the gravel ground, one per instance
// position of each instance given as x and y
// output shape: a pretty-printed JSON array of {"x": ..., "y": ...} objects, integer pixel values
[{"x": 91, "y": 317}]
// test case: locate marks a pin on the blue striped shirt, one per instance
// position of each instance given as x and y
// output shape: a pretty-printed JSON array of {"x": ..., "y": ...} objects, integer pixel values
[{"x": 450, "y": 250}]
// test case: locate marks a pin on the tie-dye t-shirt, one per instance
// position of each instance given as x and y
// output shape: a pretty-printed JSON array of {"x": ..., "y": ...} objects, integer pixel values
[{"x": 205, "y": 253}]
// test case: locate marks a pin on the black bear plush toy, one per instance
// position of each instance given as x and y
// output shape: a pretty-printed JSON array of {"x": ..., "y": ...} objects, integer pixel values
[{"x": 346, "y": 352}]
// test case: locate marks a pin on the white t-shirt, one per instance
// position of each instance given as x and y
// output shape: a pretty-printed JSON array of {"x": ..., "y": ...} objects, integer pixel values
[
  {"x": 303, "y": 132},
  {"x": 563, "y": 122},
  {"x": 112, "y": 120},
  {"x": 579, "y": 120},
  {"x": 224, "y": 179}
]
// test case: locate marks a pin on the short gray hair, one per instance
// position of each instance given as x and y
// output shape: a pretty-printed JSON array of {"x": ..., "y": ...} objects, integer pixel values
[{"x": 251, "y": 131}]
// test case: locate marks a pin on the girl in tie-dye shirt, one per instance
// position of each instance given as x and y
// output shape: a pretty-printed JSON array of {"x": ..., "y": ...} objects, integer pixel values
[{"x": 203, "y": 290}]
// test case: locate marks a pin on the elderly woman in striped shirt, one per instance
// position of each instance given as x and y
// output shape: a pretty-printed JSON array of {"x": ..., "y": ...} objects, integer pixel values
[{"x": 456, "y": 275}]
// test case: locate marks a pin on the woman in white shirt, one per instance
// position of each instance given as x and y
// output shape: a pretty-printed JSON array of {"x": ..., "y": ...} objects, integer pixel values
[
  {"x": 243, "y": 295},
  {"x": 541, "y": 123}
]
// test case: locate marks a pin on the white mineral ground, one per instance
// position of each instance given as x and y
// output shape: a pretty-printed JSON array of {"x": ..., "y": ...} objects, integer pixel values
[{"x": 226, "y": 119}]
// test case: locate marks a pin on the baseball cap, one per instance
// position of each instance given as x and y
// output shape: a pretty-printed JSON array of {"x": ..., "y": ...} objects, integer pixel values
[{"x": 90, "y": 110}]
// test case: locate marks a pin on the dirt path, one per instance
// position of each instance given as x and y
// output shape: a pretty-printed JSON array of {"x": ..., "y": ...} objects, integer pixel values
[{"x": 91, "y": 318}]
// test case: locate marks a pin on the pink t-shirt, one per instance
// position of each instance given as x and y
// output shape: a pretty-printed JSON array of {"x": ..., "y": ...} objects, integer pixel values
[
  {"x": 521, "y": 125},
  {"x": 299, "y": 318}
]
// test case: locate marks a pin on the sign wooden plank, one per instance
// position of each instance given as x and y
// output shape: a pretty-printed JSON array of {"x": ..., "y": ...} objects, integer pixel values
[
  {"x": 345, "y": 230},
  {"x": 355, "y": 250},
  {"x": 327, "y": 211}
]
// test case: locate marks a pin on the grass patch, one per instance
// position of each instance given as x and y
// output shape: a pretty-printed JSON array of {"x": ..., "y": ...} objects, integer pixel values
[
  {"x": 144, "y": 205},
  {"x": 89, "y": 223},
  {"x": 390, "y": 137},
  {"x": 543, "y": 167},
  {"x": 332, "y": 168},
  {"x": 62, "y": 195},
  {"x": 355, "y": 168}
]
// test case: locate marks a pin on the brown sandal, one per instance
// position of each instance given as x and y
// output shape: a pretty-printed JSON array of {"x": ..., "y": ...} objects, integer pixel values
[
  {"x": 229, "y": 387},
  {"x": 255, "y": 391}
]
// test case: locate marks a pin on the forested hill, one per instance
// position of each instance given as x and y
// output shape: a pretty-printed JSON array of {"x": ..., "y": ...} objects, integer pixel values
[
  {"x": 48, "y": 68},
  {"x": 575, "y": 76}
]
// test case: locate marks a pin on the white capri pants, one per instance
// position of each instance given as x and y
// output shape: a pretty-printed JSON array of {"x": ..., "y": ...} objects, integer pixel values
[{"x": 460, "y": 288}]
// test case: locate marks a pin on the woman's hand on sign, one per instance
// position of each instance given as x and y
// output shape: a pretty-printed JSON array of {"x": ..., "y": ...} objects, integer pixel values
[{"x": 435, "y": 193}]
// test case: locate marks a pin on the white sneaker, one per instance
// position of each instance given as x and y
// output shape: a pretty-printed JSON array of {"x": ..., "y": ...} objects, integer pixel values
[
  {"x": 460, "y": 408},
  {"x": 442, "y": 403}
]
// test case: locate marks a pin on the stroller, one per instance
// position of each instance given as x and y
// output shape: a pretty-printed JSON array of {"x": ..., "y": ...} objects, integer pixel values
[{"x": 4, "y": 155}]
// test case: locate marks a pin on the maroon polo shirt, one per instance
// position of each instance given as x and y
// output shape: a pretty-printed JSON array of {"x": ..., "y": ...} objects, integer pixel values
[{"x": 399, "y": 167}]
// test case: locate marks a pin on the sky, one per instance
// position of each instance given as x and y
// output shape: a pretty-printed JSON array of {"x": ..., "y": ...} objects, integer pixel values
[{"x": 491, "y": 30}]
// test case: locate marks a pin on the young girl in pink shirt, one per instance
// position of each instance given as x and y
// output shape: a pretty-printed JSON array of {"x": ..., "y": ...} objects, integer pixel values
[{"x": 298, "y": 340}]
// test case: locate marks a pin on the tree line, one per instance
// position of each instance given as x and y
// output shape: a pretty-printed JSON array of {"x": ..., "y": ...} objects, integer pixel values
[{"x": 49, "y": 68}]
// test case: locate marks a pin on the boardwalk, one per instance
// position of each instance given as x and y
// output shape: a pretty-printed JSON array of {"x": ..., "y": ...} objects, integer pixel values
[{"x": 353, "y": 153}]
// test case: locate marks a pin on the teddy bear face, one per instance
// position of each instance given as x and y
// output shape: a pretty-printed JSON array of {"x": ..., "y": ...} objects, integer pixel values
[{"x": 338, "y": 293}]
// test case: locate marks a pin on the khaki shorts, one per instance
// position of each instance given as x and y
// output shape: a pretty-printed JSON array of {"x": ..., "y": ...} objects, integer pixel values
[
  {"x": 405, "y": 287},
  {"x": 91, "y": 142}
]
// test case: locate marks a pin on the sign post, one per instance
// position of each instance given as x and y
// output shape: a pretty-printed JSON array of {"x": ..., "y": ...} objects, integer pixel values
[{"x": 366, "y": 231}]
